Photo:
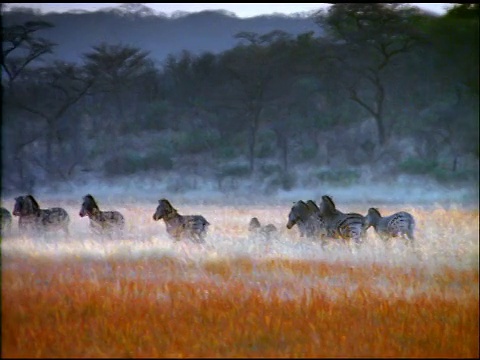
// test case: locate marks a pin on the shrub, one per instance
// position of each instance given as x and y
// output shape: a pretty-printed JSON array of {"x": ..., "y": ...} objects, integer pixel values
[
  {"x": 415, "y": 166},
  {"x": 132, "y": 163},
  {"x": 285, "y": 181},
  {"x": 196, "y": 141},
  {"x": 341, "y": 176},
  {"x": 234, "y": 170},
  {"x": 307, "y": 152},
  {"x": 265, "y": 144},
  {"x": 269, "y": 169},
  {"x": 226, "y": 152},
  {"x": 447, "y": 176}
]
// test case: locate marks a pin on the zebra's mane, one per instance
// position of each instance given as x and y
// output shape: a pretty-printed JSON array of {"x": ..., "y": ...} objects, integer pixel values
[
  {"x": 374, "y": 210},
  {"x": 33, "y": 202},
  {"x": 167, "y": 206},
  {"x": 329, "y": 202},
  {"x": 301, "y": 209},
  {"x": 311, "y": 205},
  {"x": 328, "y": 207}
]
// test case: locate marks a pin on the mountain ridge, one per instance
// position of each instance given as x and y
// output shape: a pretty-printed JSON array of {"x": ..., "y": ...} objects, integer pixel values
[{"x": 206, "y": 31}]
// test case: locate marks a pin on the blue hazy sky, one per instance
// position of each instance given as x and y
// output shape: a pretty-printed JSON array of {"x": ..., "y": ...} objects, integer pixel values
[{"x": 241, "y": 10}]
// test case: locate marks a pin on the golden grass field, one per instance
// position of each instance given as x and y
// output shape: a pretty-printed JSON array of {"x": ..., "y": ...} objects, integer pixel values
[{"x": 238, "y": 296}]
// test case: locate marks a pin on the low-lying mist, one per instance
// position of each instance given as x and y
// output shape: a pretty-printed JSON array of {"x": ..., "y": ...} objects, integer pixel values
[{"x": 194, "y": 190}]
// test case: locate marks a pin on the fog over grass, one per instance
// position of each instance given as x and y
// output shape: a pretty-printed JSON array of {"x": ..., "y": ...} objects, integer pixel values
[
  {"x": 192, "y": 189},
  {"x": 447, "y": 224}
]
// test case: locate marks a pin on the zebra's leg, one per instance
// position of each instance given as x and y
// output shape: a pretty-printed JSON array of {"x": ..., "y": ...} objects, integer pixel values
[
  {"x": 357, "y": 242},
  {"x": 323, "y": 240},
  {"x": 198, "y": 238},
  {"x": 386, "y": 241},
  {"x": 412, "y": 244},
  {"x": 410, "y": 238}
]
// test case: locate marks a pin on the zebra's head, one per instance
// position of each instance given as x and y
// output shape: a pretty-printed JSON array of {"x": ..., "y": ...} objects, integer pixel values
[
  {"x": 164, "y": 209},
  {"x": 327, "y": 206},
  {"x": 19, "y": 205},
  {"x": 25, "y": 205},
  {"x": 254, "y": 224},
  {"x": 89, "y": 206},
  {"x": 299, "y": 212}
]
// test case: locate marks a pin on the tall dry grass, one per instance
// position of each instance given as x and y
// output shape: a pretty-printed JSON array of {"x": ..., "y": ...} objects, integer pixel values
[{"x": 236, "y": 296}]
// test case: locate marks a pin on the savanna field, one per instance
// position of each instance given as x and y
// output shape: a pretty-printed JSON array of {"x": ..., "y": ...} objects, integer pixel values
[{"x": 143, "y": 295}]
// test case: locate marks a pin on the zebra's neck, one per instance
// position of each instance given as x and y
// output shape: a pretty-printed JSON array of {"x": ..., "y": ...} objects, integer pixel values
[{"x": 172, "y": 215}]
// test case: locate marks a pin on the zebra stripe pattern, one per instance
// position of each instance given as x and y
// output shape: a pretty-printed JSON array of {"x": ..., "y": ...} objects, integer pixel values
[
  {"x": 400, "y": 224},
  {"x": 346, "y": 226},
  {"x": 101, "y": 222},
  {"x": 308, "y": 219},
  {"x": 179, "y": 226},
  {"x": 256, "y": 228},
  {"x": 34, "y": 219}
]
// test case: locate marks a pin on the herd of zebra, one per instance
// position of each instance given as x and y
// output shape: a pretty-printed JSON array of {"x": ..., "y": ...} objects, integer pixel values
[{"x": 324, "y": 221}]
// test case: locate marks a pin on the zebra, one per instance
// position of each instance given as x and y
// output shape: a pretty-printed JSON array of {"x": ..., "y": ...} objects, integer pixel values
[
  {"x": 400, "y": 224},
  {"x": 32, "y": 218},
  {"x": 5, "y": 221},
  {"x": 308, "y": 219},
  {"x": 101, "y": 222},
  {"x": 254, "y": 227},
  {"x": 179, "y": 226},
  {"x": 341, "y": 225}
]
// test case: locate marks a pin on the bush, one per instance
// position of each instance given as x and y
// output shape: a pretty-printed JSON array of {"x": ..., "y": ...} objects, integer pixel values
[
  {"x": 341, "y": 177},
  {"x": 155, "y": 116},
  {"x": 415, "y": 166},
  {"x": 226, "y": 152},
  {"x": 447, "y": 176},
  {"x": 234, "y": 170},
  {"x": 265, "y": 146},
  {"x": 283, "y": 181},
  {"x": 195, "y": 142},
  {"x": 132, "y": 163},
  {"x": 307, "y": 152},
  {"x": 269, "y": 169},
  {"x": 435, "y": 170}
]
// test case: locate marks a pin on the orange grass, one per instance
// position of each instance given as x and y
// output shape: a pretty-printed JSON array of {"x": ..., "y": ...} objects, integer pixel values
[
  {"x": 80, "y": 308},
  {"x": 143, "y": 296}
]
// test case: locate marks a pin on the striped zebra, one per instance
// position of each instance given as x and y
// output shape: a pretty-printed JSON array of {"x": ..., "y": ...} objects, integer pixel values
[
  {"x": 255, "y": 228},
  {"x": 346, "y": 226},
  {"x": 101, "y": 222},
  {"x": 308, "y": 219},
  {"x": 400, "y": 224},
  {"x": 34, "y": 219},
  {"x": 5, "y": 221},
  {"x": 179, "y": 226}
]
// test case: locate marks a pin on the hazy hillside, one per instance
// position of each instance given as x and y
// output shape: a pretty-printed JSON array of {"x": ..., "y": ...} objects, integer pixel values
[{"x": 213, "y": 31}]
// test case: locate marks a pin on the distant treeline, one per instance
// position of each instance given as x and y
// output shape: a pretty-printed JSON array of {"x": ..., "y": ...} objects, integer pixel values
[{"x": 383, "y": 86}]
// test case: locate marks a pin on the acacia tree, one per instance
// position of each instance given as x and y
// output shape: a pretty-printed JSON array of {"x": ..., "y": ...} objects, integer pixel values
[
  {"x": 54, "y": 90},
  {"x": 455, "y": 57},
  {"x": 22, "y": 48},
  {"x": 369, "y": 38},
  {"x": 251, "y": 69},
  {"x": 115, "y": 69},
  {"x": 191, "y": 81}
]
